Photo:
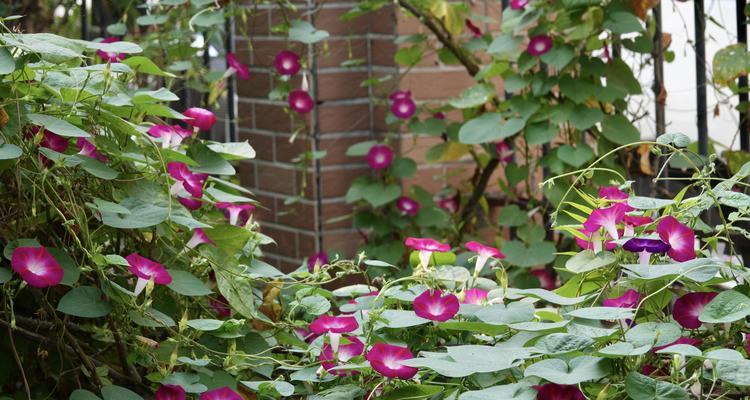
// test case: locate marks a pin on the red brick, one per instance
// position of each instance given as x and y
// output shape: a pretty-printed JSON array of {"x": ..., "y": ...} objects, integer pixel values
[
  {"x": 297, "y": 215},
  {"x": 308, "y": 245},
  {"x": 267, "y": 210},
  {"x": 246, "y": 172},
  {"x": 383, "y": 20},
  {"x": 286, "y": 151},
  {"x": 336, "y": 150},
  {"x": 261, "y": 143},
  {"x": 264, "y": 51},
  {"x": 329, "y": 20},
  {"x": 335, "y": 183},
  {"x": 425, "y": 85},
  {"x": 286, "y": 241},
  {"x": 245, "y": 115},
  {"x": 338, "y": 51},
  {"x": 272, "y": 118},
  {"x": 344, "y": 118},
  {"x": 383, "y": 51},
  {"x": 345, "y": 242},
  {"x": 333, "y": 211},
  {"x": 259, "y": 85},
  {"x": 341, "y": 85},
  {"x": 257, "y": 22},
  {"x": 272, "y": 178}
]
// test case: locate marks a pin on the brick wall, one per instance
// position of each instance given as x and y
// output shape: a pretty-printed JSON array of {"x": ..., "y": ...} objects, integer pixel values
[{"x": 346, "y": 113}]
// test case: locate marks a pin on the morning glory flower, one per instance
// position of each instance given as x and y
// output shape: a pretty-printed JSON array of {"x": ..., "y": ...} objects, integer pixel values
[
  {"x": 680, "y": 238},
  {"x": 504, "y": 152},
  {"x": 107, "y": 55},
  {"x": 475, "y": 31},
  {"x": 408, "y": 206},
  {"x": 379, "y": 157},
  {"x": 688, "y": 307},
  {"x": 645, "y": 247},
  {"x": 436, "y": 305},
  {"x": 612, "y": 193},
  {"x": 36, "y": 266},
  {"x": 145, "y": 269},
  {"x": 629, "y": 299},
  {"x": 191, "y": 182},
  {"x": 236, "y": 66},
  {"x": 546, "y": 278},
  {"x": 449, "y": 204},
  {"x": 190, "y": 203},
  {"x": 595, "y": 241},
  {"x": 200, "y": 118},
  {"x": 88, "y": 149},
  {"x": 334, "y": 326},
  {"x": 553, "y": 391},
  {"x": 330, "y": 359},
  {"x": 317, "y": 260},
  {"x": 220, "y": 306},
  {"x": 199, "y": 237},
  {"x": 402, "y": 105},
  {"x": 518, "y": 4},
  {"x": 300, "y": 101},
  {"x": 170, "y": 135},
  {"x": 222, "y": 393},
  {"x": 474, "y": 296},
  {"x": 384, "y": 359},
  {"x": 237, "y": 214},
  {"x": 539, "y": 45},
  {"x": 170, "y": 392},
  {"x": 286, "y": 63},
  {"x": 682, "y": 340},
  {"x": 484, "y": 253},
  {"x": 425, "y": 247},
  {"x": 606, "y": 218},
  {"x": 633, "y": 221}
]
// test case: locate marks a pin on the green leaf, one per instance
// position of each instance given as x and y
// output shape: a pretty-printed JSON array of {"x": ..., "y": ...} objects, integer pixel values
[
  {"x": 238, "y": 290},
  {"x": 575, "y": 156},
  {"x": 228, "y": 238},
  {"x": 482, "y": 129},
  {"x": 151, "y": 19},
  {"x": 648, "y": 203},
  {"x": 621, "y": 22},
  {"x": 675, "y": 139},
  {"x": 315, "y": 305},
  {"x": 68, "y": 264},
  {"x": 698, "y": 270},
  {"x": 9, "y": 151},
  {"x": 56, "y": 125},
  {"x": 653, "y": 334},
  {"x": 432, "y": 217},
  {"x": 640, "y": 387},
  {"x": 379, "y": 194},
  {"x": 623, "y": 349},
  {"x": 413, "y": 392},
  {"x": 113, "y": 392},
  {"x": 115, "y": 47},
  {"x": 397, "y": 319},
  {"x": 5, "y": 275},
  {"x": 409, "y": 56},
  {"x": 7, "y": 62},
  {"x": 430, "y": 126},
  {"x": 81, "y": 394},
  {"x": 118, "y": 29},
  {"x": 151, "y": 318},
  {"x": 209, "y": 161},
  {"x": 512, "y": 215},
  {"x": 618, "y": 129},
  {"x": 730, "y": 63},
  {"x": 403, "y": 167},
  {"x": 540, "y": 133},
  {"x": 602, "y": 313},
  {"x": 559, "y": 56},
  {"x": 503, "y": 44},
  {"x": 84, "y": 302},
  {"x": 513, "y": 391},
  {"x": 586, "y": 261},
  {"x": 303, "y": 31},
  {"x": 561, "y": 343},
  {"x": 142, "y": 215},
  {"x": 577, "y": 370},
  {"x": 186, "y": 284},
  {"x": 96, "y": 168},
  {"x": 728, "y": 306},
  {"x": 518, "y": 253},
  {"x": 360, "y": 149},
  {"x": 584, "y": 117},
  {"x": 233, "y": 150},
  {"x": 205, "y": 324},
  {"x": 473, "y": 96},
  {"x": 620, "y": 76},
  {"x": 500, "y": 314},
  {"x": 144, "y": 65},
  {"x": 734, "y": 372},
  {"x": 207, "y": 18},
  {"x": 275, "y": 388},
  {"x": 546, "y": 295}
]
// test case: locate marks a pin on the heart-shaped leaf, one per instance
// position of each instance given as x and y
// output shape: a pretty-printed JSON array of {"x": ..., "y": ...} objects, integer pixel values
[{"x": 575, "y": 156}]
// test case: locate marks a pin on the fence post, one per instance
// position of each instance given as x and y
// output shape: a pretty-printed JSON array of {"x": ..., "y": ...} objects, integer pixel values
[
  {"x": 231, "y": 98},
  {"x": 700, "y": 78},
  {"x": 742, "y": 84}
]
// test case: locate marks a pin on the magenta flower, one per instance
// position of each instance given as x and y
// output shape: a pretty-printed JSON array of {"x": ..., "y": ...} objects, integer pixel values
[
  {"x": 680, "y": 238},
  {"x": 88, "y": 149},
  {"x": 190, "y": 203},
  {"x": 682, "y": 340},
  {"x": 595, "y": 242},
  {"x": 236, "y": 66},
  {"x": 449, "y": 204},
  {"x": 645, "y": 247},
  {"x": 36, "y": 266},
  {"x": 238, "y": 214},
  {"x": 539, "y": 45},
  {"x": 425, "y": 247},
  {"x": 54, "y": 141},
  {"x": 475, "y": 31},
  {"x": 546, "y": 278},
  {"x": 402, "y": 105},
  {"x": 379, "y": 157},
  {"x": 439, "y": 115},
  {"x": 629, "y": 299},
  {"x": 146, "y": 269},
  {"x": 384, "y": 359},
  {"x": 330, "y": 324},
  {"x": 329, "y": 359},
  {"x": 612, "y": 193},
  {"x": 305, "y": 334},
  {"x": 286, "y": 62},
  {"x": 504, "y": 152},
  {"x": 483, "y": 254},
  {"x": 300, "y": 101},
  {"x": 109, "y": 56},
  {"x": 170, "y": 392},
  {"x": 688, "y": 307},
  {"x": 317, "y": 260},
  {"x": 199, "y": 237},
  {"x": 436, "y": 305},
  {"x": 606, "y": 218},
  {"x": 408, "y": 206},
  {"x": 553, "y": 391},
  {"x": 475, "y": 296},
  {"x": 192, "y": 183},
  {"x": 518, "y": 4},
  {"x": 200, "y": 118},
  {"x": 220, "y": 306},
  {"x": 222, "y": 393},
  {"x": 633, "y": 221},
  {"x": 171, "y": 136}
]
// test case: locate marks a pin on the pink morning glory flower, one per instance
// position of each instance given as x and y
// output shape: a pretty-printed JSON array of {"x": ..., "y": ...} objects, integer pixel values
[
  {"x": 402, "y": 105},
  {"x": 54, "y": 141},
  {"x": 379, "y": 157},
  {"x": 539, "y": 45},
  {"x": 170, "y": 392},
  {"x": 518, "y": 4},
  {"x": 425, "y": 247},
  {"x": 300, "y": 101},
  {"x": 645, "y": 247},
  {"x": 36, "y": 266},
  {"x": 199, "y": 237},
  {"x": 629, "y": 299},
  {"x": 408, "y": 206},
  {"x": 200, "y": 118},
  {"x": 682, "y": 340},
  {"x": 439, "y": 115},
  {"x": 286, "y": 62},
  {"x": 449, "y": 204},
  {"x": 688, "y": 307},
  {"x": 192, "y": 183},
  {"x": 436, "y": 305},
  {"x": 190, "y": 203},
  {"x": 170, "y": 135},
  {"x": 317, "y": 260},
  {"x": 595, "y": 242},
  {"x": 146, "y": 269},
  {"x": 546, "y": 278},
  {"x": 606, "y": 218},
  {"x": 305, "y": 334},
  {"x": 504, "y": 152},
  {"x": 110, "y": 56},
  {"x": 237, "y": 214},
  {"x": 329, "y": 359},
  {"x": 475, "y": 296},
  {"x": 484, "y": 253},
  {"x": 222, "y": 393},
  {"x": 612, "y": 193},
  {"x": 334, "y": 326},
  {"x": 475, "y": 31},
  {"x": 236, "y": 66},
  {"x": 679, "y": 237},
  {"x": 88, "y": 149},
  {"x": 220, "y": 306},
  {"x": 633, "y": 221},
  {"x": 553, "y": 391},
  {"x": 384, "y": 359}
]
